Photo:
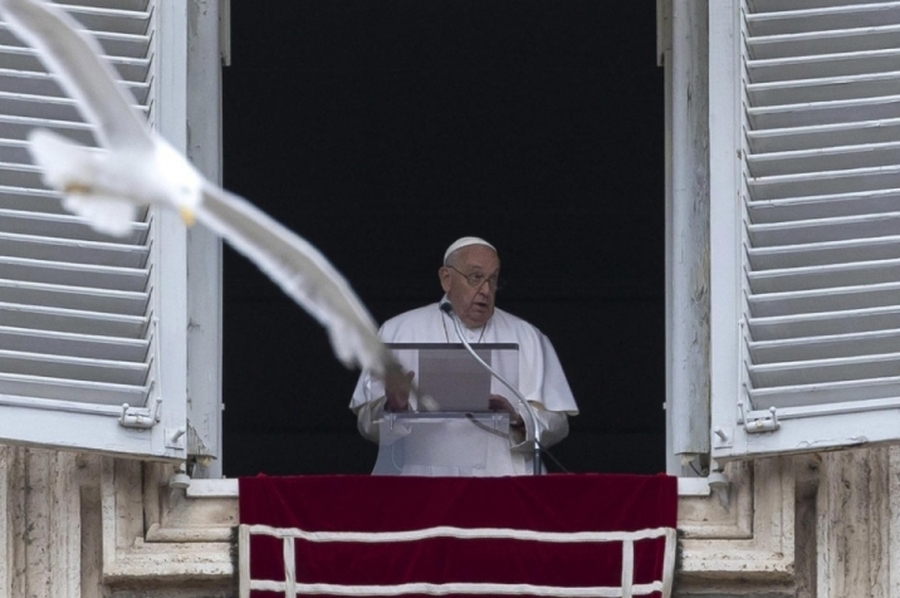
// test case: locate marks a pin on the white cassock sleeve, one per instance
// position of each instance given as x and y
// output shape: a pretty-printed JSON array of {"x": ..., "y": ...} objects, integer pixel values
[
  {"x": 367, "y": 418},
  {"x": 554, "y": 427}
]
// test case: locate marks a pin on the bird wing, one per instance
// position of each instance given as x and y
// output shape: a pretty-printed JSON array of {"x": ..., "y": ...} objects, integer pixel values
[
  {"x": 76, "y": 61},
  {"x": 301, "y": 271}
]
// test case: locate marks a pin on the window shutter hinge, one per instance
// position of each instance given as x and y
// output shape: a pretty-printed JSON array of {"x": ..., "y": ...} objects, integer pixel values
[
  {"x": 139, "y": 417},
  {"x": 761, "y": 424}
]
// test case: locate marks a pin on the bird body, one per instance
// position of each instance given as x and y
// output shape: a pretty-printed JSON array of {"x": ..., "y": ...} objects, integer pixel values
[{"x": 94, "y": 182}]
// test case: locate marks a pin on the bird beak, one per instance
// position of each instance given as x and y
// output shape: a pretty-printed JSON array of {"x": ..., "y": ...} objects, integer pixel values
[
  {"x": 76, "y": 189},
  {"x": 187, "y": 215}
]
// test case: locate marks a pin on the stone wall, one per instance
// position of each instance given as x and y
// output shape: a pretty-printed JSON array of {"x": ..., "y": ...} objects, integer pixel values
[{"x": 88, "y": 526}]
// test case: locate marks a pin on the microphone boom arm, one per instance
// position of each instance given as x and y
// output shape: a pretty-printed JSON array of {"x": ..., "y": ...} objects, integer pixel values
[{"x": 448, "y": 309}]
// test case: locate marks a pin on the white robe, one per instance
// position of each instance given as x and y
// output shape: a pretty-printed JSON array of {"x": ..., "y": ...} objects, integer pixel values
[{"x": 467, "y": 449}]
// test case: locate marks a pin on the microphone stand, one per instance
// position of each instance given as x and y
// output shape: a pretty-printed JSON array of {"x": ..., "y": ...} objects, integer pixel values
[{"x": 536, "y": 465}]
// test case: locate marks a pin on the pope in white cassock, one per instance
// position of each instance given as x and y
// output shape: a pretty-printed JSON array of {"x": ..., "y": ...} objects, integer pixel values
[{"x": 469, "y": 279}]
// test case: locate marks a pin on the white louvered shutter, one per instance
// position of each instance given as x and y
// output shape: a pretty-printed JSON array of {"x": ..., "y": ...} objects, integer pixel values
[
  {"x": 806, "y": 226},
  {"x": 91, "y": 327}
]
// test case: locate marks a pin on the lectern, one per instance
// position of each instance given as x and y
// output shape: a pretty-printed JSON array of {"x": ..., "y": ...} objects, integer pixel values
[
  {"x": 440, "y": 443},
  {"x": 450, "y": 430}
]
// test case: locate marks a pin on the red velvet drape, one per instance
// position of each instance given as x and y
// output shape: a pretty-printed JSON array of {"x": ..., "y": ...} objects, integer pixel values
[{"x": 550, "y": 503}]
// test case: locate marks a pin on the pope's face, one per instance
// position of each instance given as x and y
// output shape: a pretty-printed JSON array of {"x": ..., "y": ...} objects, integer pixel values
[{"x": 474, "y": 305}]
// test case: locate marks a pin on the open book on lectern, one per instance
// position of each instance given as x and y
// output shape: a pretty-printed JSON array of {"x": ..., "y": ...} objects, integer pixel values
[{"x": 454, "y": 379}]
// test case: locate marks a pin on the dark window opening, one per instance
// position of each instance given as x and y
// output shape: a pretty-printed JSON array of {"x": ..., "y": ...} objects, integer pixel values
[{"x": 380, "y": 132}]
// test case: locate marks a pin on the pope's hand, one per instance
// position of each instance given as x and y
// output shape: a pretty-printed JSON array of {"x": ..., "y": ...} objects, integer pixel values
[
  {"x": 397, "y": 395},
  {"x": 500, "y": 403}
]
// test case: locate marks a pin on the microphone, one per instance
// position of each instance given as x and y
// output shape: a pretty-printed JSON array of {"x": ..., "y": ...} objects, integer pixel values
[{"x": 447, "y": 308}]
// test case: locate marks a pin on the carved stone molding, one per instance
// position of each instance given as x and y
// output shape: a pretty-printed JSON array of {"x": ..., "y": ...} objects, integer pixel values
[
  {"x": 746, "y": 535},
  {"x": 154, "y": 534}
]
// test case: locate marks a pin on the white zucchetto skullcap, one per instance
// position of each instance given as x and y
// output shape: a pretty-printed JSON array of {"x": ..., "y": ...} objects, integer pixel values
[{"x": 465, "y": 242}]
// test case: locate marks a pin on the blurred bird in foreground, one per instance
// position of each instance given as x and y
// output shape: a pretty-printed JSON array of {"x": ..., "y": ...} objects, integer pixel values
[{"x": 138, "y": 167}]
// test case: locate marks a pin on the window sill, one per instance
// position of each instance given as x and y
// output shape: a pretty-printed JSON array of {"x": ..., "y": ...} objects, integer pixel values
[{"x": 228, "y": 488}]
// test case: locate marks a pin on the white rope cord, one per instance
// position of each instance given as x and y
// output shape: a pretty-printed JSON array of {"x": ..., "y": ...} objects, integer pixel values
[
  {"x": 290, "y": 588},
  {"x": 444, "y": 531},
  {"x": 444, "y": 589}
]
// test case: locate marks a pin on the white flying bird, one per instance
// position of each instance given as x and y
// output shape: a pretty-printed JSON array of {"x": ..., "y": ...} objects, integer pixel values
[{"x": 139, "y": 167}]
